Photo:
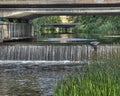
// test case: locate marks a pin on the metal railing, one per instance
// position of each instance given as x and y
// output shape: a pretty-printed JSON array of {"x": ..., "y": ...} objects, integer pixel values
[
  {"x": 19, "y": 30},
  {"x": 11, "y": 31},
  {"x": 1, "y": 35}
]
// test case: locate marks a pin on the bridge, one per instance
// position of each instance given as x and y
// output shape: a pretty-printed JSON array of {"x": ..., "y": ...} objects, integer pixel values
[
  {"x": 30, "y": 9},
  {"x": 37, "y": 2}
]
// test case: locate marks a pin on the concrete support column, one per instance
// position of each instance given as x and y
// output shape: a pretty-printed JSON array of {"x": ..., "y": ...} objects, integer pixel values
[
  {"x": 9, "y": 30},
  {"x": 33, "y": 33}
]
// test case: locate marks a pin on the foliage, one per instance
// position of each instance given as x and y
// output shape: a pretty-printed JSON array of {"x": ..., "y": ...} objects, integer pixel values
[
  {"x": 41, "y": 28},
  {"x": 5, "y": 19},
  {"x": 97, "y": 26},
  {"x": 101, "y": 79},
  {"x": 39, "y": 22},
  {"x": 90, "y": 26}
]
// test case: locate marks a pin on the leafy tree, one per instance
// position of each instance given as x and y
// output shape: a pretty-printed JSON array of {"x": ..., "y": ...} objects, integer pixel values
[
  {"x": 90, "y": 26},
  {"x": 97, "y": 26},
  {"x": 42, "y": 25}
]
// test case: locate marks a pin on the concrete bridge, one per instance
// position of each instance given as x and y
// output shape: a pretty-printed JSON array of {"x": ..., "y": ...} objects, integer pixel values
[
  {"x": 29, "y": 9},
  {"x": 34, "y": 2},
  {"x": 41, "y": 2}
]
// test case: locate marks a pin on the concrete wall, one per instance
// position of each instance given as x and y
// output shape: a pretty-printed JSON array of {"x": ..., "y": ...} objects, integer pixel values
[
  {"x": 15, "y": 30},
  {"x": 58, "y": 1}
]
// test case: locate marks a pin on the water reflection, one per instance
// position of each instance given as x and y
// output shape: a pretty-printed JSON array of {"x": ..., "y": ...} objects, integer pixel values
[
  {"x": 68, "y": 39},
  {"x": 18, "y": 85}
]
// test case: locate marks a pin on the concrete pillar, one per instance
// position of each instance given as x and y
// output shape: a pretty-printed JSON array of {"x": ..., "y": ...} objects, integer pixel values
[
  {"x": 5, "y": 30},
  {"x": 1, "y": 35},
  {"x": 9, "y": 30},
  {"x": 33, "y": 33}
]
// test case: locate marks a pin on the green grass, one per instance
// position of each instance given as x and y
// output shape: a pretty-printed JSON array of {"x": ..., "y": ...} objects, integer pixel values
[{"x": 100, "y": 79}]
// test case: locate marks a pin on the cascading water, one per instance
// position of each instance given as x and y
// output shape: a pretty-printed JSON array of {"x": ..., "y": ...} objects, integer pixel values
[
  {"x": 19, "y": 66},
  {"x": 55, "y": 52},
  {"x": 60, "y": 52},
  {"x": 42, "y": 76}
]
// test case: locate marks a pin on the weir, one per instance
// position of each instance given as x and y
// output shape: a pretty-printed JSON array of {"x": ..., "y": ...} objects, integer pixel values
[
  {"x": 55, "y": 52},
  {"x": 21, "y": 64},
  {"x": 48, "y": 52}
]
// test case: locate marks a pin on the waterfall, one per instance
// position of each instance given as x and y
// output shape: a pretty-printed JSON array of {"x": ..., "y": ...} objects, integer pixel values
[
  {"x": 56, "y": 52},
  {"x": 50, "y": 52}
]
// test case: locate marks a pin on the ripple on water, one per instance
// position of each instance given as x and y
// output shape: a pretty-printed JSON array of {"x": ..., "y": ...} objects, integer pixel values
[{"x": 36, "y": 77}]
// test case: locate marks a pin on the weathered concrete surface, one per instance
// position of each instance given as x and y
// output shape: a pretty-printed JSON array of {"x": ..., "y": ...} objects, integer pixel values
[
  {"x": 30, "y": 13},
  {"x": 29, "y": 9},
  {"x": 58, "y": 2}
]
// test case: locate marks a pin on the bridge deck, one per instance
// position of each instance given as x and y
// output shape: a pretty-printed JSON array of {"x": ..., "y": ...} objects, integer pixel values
[
  {"x": 34, "y": 2},
  {"x": 30, "y": 13},
  {"x": 29, "y": 9}
]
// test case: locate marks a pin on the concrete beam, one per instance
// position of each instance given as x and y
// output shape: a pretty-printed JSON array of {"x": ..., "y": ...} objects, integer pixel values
[
  {"x": 34, "y": 2},
  {"x": 28, "y": 12}
]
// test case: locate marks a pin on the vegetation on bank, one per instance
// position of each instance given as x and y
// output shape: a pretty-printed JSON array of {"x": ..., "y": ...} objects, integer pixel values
[
  {"x": 100, "y": 79},
  {"x": 104, "y": 28},
  {"x": 101, "y": 27}
]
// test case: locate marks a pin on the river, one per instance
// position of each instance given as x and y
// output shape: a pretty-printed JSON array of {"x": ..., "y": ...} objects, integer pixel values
[{"x": 33, "y": 69}]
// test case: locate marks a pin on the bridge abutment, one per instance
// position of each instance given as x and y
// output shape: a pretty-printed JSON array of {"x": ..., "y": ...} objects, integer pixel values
[{"x": 15, "y": 31}]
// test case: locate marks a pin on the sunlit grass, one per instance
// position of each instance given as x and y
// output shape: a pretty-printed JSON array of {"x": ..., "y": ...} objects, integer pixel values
[{"x": 100, "y": 79}]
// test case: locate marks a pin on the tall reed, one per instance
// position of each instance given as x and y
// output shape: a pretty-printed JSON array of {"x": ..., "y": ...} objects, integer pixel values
[{"x": 100, "y": 79}]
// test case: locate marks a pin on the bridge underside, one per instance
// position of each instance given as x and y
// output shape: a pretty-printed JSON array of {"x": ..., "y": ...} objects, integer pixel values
[
  {"x": 30, "y": 13},
  {"x": 29, "y": 9},
  {"x": 36, "y": 2}
]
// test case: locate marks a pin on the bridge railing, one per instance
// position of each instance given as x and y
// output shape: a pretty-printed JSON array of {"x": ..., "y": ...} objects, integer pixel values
[
  {"x": 12, "y": 31},
  {"x": 1, "y": 33},
  {"x": 58, "y": 1},
  {"x": 1, "y": 37}
]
